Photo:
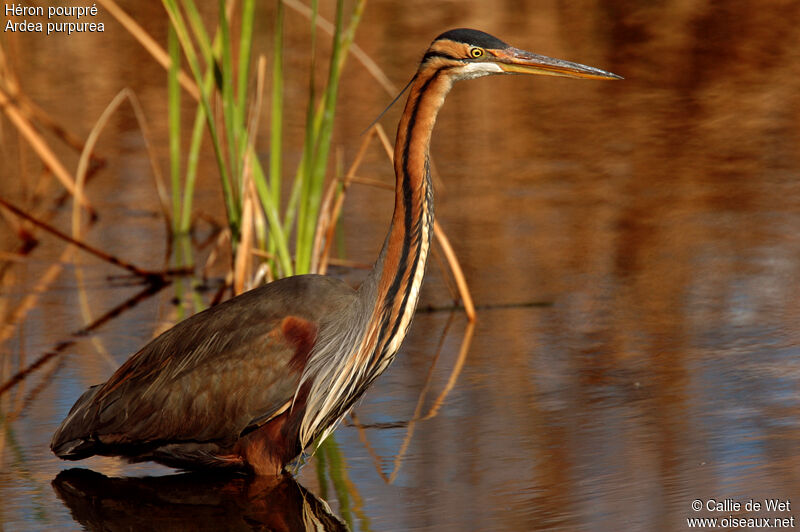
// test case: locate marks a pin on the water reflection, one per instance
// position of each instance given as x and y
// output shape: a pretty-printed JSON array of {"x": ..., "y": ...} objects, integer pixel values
[{"x": 192, "y": 501}]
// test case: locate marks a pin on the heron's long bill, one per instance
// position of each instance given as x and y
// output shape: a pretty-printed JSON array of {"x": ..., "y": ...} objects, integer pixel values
[{"x": 518, "y": 61}]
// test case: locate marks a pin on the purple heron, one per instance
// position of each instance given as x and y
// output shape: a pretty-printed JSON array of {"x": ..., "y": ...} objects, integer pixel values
[{"x": 250, "y": 383}]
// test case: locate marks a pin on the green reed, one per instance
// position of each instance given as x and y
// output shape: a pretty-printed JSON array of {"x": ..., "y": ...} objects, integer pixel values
[{"x": 226, "y": 82}]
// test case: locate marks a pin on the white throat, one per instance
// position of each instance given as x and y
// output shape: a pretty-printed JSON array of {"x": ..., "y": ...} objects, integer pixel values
[{"x": 476, "y": 70}]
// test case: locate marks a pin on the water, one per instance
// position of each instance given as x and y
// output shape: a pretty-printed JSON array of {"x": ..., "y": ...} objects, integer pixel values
[{"x": 632, "y": 247}]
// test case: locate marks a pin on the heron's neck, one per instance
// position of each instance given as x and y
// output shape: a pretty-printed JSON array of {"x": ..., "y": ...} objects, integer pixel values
[
  {"x": 394, "y": 284},
  {"x": 388, "y": 297}
]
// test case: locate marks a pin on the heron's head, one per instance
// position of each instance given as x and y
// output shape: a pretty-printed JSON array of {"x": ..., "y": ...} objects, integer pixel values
[{"x": 467, "y": 54}]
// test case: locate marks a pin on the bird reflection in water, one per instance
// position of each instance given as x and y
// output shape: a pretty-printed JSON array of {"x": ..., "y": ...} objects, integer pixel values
[{"x": 192, "y": 501}]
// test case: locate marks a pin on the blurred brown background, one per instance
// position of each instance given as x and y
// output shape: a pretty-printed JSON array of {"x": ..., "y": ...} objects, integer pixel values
[{"x": 633, "y": 246}]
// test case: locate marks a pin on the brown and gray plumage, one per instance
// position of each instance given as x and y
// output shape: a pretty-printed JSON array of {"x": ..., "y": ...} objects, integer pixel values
[{"x": 250, "y": 383}]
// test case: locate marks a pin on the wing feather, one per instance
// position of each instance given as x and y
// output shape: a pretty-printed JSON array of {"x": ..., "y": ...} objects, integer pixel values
[{"x": 212, "y": 376}]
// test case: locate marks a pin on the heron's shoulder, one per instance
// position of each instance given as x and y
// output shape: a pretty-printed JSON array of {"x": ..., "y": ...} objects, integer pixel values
[
  {"x": 306, "y": 295},
  {"x": 309, "y": 281},
  {"x": 231, "y": 328}
]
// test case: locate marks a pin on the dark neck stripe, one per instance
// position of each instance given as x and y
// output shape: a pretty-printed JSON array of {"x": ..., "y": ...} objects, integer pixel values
[
  {"x": 433, "y": 53},
  {"x": 409, "y": 224}
]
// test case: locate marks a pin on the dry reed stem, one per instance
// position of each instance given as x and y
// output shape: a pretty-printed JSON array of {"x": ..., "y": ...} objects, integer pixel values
[
  {"x": 329, "y": 214},
  {"x": 41, "y": 147},
  {"x": 243, "y": 261},
  {"x": 91, "y": 141},
  {"x": 455, "y": 268},
  {"x": 7, "y": 73},
  {"x": 448, "y": 281},
  {"x": 253, "y": 121},
  {"x": 16, "y": 226},
  {"x": 372, "y": 182},
  {"x": 325, "y": 225},
  {"x": 31, "y": 110},
  {"x": 334, "y": 261},
  {"x": 77, "y": 186},
  {"x": 220, "y": 293},
  {"x": 263, "y": 274},
  {"x": 150, "y": 275},
  {"x": 34, "y": 112},
  {"x": 266, "y": 255},
  {"x": 149, "y": 44},
  {"x": 387, "y": 146},
  {"x": 222, "y": 239},
  {"x": 10, "y": 256}
]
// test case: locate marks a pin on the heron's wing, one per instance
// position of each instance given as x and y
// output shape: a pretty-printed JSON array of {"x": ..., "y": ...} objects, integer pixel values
[{"x": 213, "y": 375}]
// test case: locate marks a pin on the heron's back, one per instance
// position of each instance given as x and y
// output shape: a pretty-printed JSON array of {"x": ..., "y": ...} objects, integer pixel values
[{"x": 196, "y": 389}]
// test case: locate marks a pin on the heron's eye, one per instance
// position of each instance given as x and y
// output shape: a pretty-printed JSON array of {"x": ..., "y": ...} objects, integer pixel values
[{"x": 476, "y": 53}]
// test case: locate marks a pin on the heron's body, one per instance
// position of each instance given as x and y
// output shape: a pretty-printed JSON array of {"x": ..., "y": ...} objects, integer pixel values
[
  {"x": 209, "y": 390},
  {"x": 250, "y": 383}
]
